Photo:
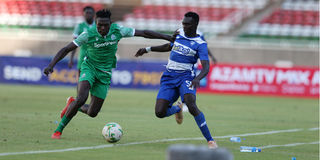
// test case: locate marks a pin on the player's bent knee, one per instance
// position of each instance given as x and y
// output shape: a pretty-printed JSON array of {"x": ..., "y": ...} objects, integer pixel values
[
  {"x": 92, "y": 114},
  {"x": 160, "y": 114}
]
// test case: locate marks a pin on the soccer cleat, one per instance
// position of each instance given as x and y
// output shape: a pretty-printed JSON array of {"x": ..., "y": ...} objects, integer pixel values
[
  {"x": 56, "y": 135},
  {"x": 69, "y": 100},
  {"x": 179, "y": 115},
  {"x": 212, "y": 145}
]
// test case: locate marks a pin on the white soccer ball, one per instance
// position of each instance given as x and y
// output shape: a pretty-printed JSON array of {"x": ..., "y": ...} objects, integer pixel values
[{"x": 112, "y": 132}]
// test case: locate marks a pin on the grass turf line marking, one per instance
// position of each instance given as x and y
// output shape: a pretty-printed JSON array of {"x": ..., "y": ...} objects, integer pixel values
[
  {"x": 288, "y": 145},
  {"x": 161, "y": 140},
  {"x": 313, "y": 129}
]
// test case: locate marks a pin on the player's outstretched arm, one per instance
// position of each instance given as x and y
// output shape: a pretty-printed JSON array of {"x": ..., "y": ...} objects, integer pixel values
[
  {"x": 153, "y": 35},
  {"x": 205, "y": 70},
  {"x": 163, "y": 48},
  {"x": 60, "y": 55},
  {"x": 70, "y": 63}
]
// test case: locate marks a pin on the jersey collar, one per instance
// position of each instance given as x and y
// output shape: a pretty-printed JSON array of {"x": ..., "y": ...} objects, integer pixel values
[{"x": 101, "y": 35}]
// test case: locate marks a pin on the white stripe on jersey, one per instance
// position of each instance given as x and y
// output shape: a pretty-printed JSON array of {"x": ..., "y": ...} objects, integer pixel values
[
  {"x": 74, "y": 42},
  {"x": 179, "y": 66}
]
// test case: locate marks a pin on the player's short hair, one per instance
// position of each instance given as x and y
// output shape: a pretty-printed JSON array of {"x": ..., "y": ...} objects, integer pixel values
[
  {"x": 193, "y": 15},
  {"x": 87, "y": 7},
  {"x": 104, "y": 13}
]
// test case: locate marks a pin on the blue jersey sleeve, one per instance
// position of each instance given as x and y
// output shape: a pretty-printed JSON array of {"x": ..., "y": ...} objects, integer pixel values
[
  {"x": 202, "y": 37},
  {"x": 203, "y": 51}
]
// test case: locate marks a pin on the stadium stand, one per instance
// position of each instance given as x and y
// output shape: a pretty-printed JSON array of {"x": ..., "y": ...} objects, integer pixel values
[
  {"x": 217, "y": 17},
  {"x": 295, "y": 19},
  {"x": 41, "y": 27},
  {"x": 49, "y": 14}
]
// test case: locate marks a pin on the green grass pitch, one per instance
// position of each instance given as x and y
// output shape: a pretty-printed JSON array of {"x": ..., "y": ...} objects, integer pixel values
[{"x": 28, "y": 115}]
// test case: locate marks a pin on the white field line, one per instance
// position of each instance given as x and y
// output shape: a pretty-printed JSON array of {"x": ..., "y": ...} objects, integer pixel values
[
  {"x": 154, "y": 141},
  {"x": 289, "y": 145},
  {"x": 313, "y": 129}
]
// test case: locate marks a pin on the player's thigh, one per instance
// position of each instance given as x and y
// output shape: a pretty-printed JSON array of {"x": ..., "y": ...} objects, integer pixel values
[
  {"x": 98, "y": 94},
  {"x": 83, "y": 91},
  {"x": 168, "y": 93},
  {"x": 185, "y": 88}
]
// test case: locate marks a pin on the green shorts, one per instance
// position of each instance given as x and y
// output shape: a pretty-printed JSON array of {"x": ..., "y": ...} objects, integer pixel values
[{"x": 99, "y": 80}]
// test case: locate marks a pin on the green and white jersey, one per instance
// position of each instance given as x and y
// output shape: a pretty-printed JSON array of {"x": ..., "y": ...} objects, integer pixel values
[
  {"x": 82, "y": 27},
  {"x": 101, "y": 51}
]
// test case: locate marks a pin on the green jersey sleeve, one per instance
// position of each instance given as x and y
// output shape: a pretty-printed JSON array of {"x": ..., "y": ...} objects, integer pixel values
[
  {"x": 81, "y": 39},
  {"x": 126, "y": 31}
]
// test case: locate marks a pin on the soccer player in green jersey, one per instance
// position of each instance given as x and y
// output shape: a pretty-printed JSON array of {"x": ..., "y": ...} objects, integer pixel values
[
  {"x": 88, "y": 14},
  {"x": 95, "y": 76}
]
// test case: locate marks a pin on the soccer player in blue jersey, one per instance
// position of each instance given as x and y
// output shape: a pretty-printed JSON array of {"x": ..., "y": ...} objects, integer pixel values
[
  {"x": 178, "y": 79},
  {"x": 213, "y": 59}
]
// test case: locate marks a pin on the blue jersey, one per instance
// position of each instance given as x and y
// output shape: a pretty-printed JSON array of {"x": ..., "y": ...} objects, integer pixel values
[{"x": 186, "y": 51}]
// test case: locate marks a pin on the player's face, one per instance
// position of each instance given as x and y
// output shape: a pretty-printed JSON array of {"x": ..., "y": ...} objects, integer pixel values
[
  {"x": 188, "y": 25},
  {"x": 103, "y": 25},
  {"x": 88, "y": 15}
]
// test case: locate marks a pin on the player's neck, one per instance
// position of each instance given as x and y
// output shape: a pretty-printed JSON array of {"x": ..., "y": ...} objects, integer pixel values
[
  {"x": 191, "y": 34},
  {"x": 89, "y": 21}
]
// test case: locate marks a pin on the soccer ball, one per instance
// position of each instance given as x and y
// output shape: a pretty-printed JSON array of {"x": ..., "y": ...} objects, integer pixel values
[{"x": 112, "y": 132}]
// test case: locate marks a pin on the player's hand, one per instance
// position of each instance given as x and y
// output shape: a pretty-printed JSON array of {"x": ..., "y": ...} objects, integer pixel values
[
  {"x": 195, "y": 83},
  {"x": 141, "y": 52},
  {"x": 70, "y": 64},
  {"x": 48, "y": 70},
  {"x": 175, "y": 35}
]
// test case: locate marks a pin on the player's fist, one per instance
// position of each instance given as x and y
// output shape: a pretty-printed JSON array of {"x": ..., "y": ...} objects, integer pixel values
[
  {"x": 195, "y": 83},
  {"x": 140, "y": 52},
  {"x": 48, "y": 70}
]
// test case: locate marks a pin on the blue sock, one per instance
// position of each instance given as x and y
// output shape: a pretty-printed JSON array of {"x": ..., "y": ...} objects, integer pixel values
[
  {"x": 202, "y": 124},
  {"x": 172, "y": 110}
]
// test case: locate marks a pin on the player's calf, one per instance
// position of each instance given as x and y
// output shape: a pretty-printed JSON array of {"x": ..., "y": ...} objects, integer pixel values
[
  {"x": 69, "y": 101},
  {"x": 92, "y": 114},
  {"x": 95, "y": 106}
]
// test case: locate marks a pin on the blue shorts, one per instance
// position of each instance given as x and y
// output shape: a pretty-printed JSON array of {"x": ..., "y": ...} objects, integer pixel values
[{"x": 174, "y": 84}]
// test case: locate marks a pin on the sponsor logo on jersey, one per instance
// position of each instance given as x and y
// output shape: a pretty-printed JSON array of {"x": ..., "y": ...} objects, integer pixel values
[
  {"x": 181, "y": 49},
  {"x": 98, "y": 45}
]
